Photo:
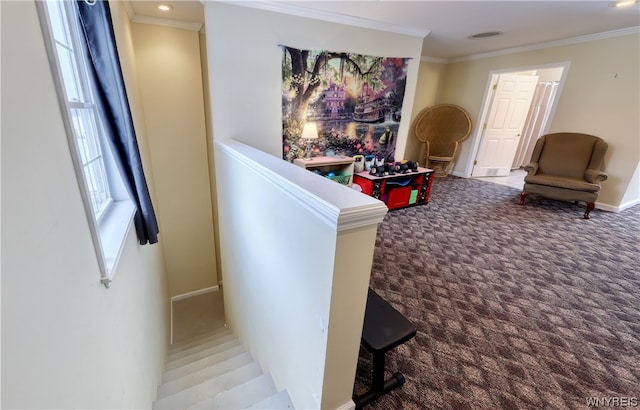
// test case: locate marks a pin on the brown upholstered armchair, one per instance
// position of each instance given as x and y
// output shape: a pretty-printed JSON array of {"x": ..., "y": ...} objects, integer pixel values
[{"x": 568, "y": 167}]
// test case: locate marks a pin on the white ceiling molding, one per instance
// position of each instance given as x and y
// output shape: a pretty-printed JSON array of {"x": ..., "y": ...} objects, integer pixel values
[
  {"x": 184, "y": 25},
  {"x": 280, "y": 7},
  {"x": 557, "y": 43},
  {"x": 129, "y": 9},
  {"x": 427, "y": 59}
]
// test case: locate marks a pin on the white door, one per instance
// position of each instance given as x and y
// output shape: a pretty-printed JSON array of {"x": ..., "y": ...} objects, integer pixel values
[{"x": 507, "y": 115}]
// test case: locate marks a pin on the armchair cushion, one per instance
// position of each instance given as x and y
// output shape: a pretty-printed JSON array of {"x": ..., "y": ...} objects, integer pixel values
[
  {"x": 567, "y": 156},
  {"x": 576, "y": 184}
]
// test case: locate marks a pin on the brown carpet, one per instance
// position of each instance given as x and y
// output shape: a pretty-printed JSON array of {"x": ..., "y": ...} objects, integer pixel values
[{"x": 516, "y": 307}]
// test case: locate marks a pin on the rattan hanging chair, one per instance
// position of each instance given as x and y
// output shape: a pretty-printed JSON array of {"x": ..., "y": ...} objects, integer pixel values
[{"x": 441, "y": 128}]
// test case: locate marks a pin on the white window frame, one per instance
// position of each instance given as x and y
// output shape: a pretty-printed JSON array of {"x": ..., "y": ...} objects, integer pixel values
[{"x": 108, "y": 207}]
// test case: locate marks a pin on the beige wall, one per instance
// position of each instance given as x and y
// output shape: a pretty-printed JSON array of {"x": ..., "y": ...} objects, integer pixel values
[
  {"x": 429, "y": 87},
  {"x": 246, "y": 75},
  {"x": 210, "y": 150},
  {"x": 245, "y": 78},
  {"x": 171, "y": 87},
  {"x": 67, "y": 342},
  {"x": 600, "y": 97}
]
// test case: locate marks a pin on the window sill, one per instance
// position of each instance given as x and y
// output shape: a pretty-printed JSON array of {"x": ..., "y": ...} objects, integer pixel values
[{"x": 113, "y": 229}]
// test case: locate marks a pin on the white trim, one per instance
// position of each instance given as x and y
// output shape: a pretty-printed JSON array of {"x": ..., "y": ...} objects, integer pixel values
[
  {"x": 617, "y": 209},
  {"x": 629, "y": 204},
  {"x": 427, "y": 59},
  {"x": 334, "y": 204},
  {"x": 549, "y": 44},
  {"x": 477, "y": 132},
  {"x": 171, "y": 323},
  {"x": 607, "y": 207},
  {"x": 194, "y": 293},
  {"x": 108, "y": 232},
  {"x": 350, "y": 405},
  {"x": 114, "y": 230},
  {"x": 352, "y": 218},
  {"x": 128, "y": 8},
  {"x": 184, "y": 25},
  {"x": 160, "y": 21},
  {"x": 300, "y": 11}
]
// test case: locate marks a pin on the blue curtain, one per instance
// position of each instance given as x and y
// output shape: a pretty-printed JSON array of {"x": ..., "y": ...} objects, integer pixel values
[{"x": 104, "y": 67}]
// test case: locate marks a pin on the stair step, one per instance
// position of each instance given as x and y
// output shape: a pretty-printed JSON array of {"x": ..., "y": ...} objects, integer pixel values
[
  {"x": 200, "y": 392},
  {"x": 241, "y": 396},
  {"x": 205, "y": 362},
  {"x": 203, "y": 345},
  {"x": 277, "y": 401},
  {"x": 195, "y": 340},
  {"x": 200, "y": 354},
  {"x": 192, "y": 378}
]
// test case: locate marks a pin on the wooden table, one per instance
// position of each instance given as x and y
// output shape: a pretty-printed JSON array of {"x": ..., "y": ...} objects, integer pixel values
[{"x": 342, "y": 166}]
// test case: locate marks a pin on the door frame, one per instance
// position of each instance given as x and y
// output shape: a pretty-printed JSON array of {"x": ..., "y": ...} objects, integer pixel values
[
  {"x": 503, "y": 128},
  {"x": 487, "y": 101}
]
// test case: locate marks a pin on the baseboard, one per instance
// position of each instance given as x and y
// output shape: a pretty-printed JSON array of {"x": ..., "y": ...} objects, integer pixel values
[
  {"x": 629, "y": 204},
  {"x": 194, "y": 293},
  {"x": 599, "y": 205},
  {"x": 350, "y": 405},
  {"x": 607, "y": 207},
  {"x": 617, "y": 209}
]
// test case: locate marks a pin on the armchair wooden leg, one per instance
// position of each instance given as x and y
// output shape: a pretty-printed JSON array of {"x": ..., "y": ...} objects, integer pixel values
[
  {"x": 523, "y": 195},
  {"x": 590, "y": 206}
]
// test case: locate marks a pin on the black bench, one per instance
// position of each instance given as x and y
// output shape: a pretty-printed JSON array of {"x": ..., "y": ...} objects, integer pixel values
[{"x": 384, "y": 328}]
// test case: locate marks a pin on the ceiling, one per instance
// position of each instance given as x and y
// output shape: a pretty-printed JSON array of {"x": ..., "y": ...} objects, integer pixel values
[{"x": 446, "y": 25}]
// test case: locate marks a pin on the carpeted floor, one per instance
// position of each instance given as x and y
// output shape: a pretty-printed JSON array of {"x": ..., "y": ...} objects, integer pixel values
[{"x": 516, "y": 307}]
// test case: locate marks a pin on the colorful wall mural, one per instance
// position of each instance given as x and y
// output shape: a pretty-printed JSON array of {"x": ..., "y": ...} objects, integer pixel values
[{"x": 355, "y": 101}]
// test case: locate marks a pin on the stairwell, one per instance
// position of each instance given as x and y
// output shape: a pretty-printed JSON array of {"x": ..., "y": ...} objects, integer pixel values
[{"x": 212, "y": 370}]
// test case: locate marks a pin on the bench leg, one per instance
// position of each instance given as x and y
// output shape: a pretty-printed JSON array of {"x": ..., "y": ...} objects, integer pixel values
[
  {"x": 379, "y": 386},
  {"x": 378, "y": 372}
]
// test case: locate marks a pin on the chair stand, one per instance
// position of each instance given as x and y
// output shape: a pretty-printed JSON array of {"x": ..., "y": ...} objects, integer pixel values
[
  {"x": 441, "y": 168},
  {"x": 590, "y": 205},
  {"x": 523, "y": 196}
]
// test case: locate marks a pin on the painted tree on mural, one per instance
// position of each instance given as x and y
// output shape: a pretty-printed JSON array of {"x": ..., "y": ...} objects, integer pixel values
[
  {"x": 304, "y": 79},
  {"x": 306, "y": 72}
]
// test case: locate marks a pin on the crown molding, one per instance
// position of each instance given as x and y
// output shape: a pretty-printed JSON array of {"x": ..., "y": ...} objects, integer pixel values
[
  {"x": 427, "y": 59},
  {"x": 128, "y": 8},
  {"x": 550, "y": 44},
  {"x": 300, "y": 11},
  {"x": 184, "y": 25},
  {"x": 159, "y": 21}
]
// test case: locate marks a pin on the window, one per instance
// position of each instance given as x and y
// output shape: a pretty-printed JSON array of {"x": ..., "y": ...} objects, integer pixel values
[
  {"x": 109, "y": 209},
  {"x": 92, "y": 160}
]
